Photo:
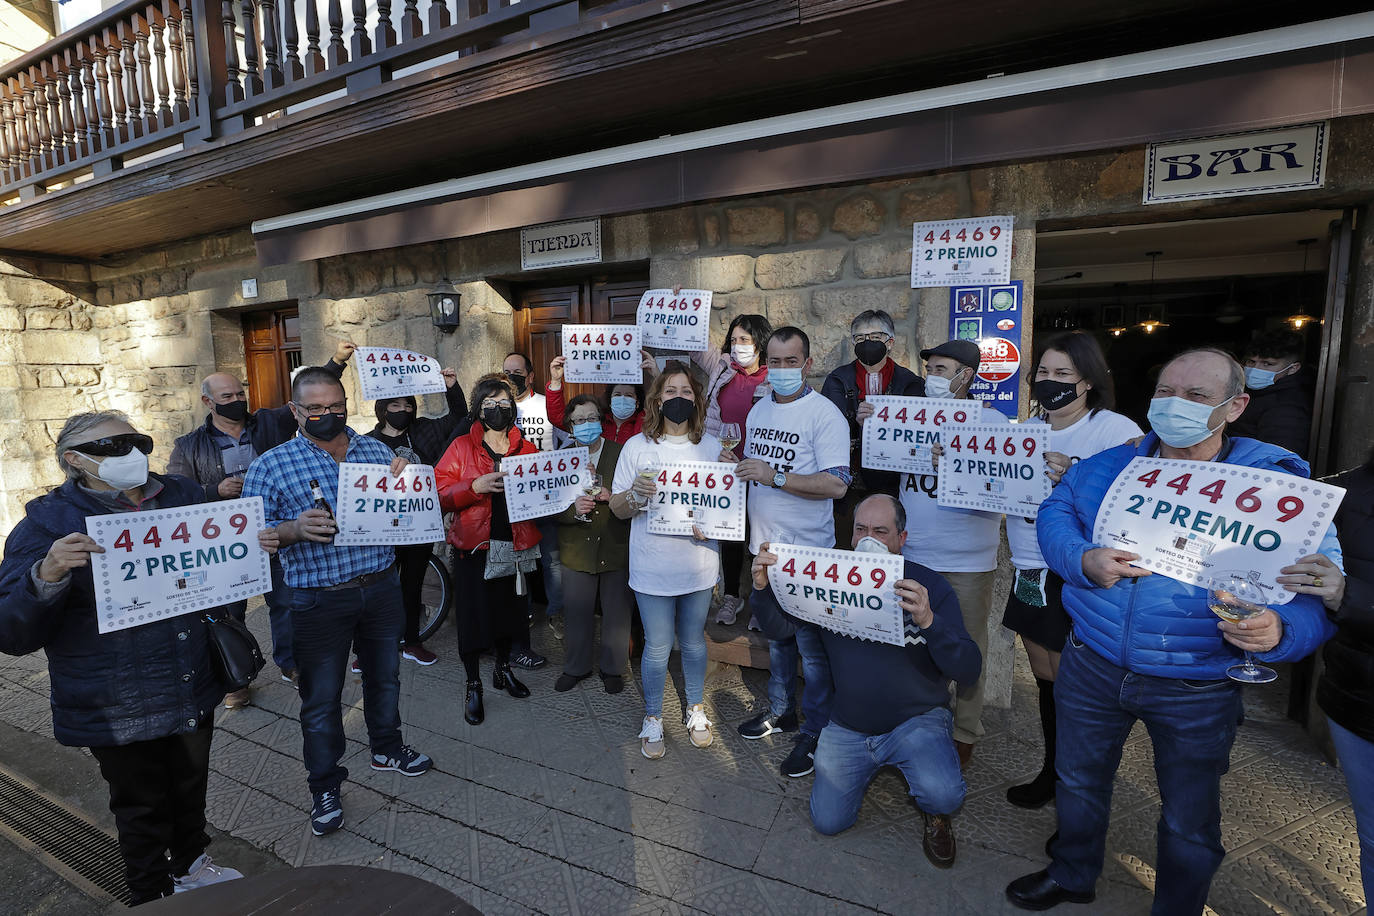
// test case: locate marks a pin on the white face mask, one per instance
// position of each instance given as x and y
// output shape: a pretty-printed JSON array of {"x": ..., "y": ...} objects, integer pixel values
[
  {"x": 123, "y": 472},
  {"x": 870, "y": 544},
  {"x": 937, "y": 386},
  {"x": 744, "y": 354}
]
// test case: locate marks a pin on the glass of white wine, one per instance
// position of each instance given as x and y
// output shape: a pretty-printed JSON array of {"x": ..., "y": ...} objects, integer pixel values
[
  {"x": 730, "y": 435},
  {"x": 590, "y": 487},
  {"x": 1234, "y": 598},
  {"x": 648, "y": 472}
]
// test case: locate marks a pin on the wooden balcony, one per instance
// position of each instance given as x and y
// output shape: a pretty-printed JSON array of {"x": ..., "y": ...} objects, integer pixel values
[{"x": 166, "y": 119}]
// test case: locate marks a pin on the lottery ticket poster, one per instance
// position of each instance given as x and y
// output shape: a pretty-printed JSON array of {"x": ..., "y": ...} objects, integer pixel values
[
  {"x": 373, "y": 506},
  {"x": 677, "y": 321},
  {"x": 960, "y": 252},
  {"x": 703, "y": 493},
  {"x": 388, "y": 373},
  {"x": 1194, "y": 520},
  {"x": 603, "y": 353},
  {"x": 167, "y": 562},
  {"x": 995, "y": 469},
  {"x": 848, "y": 593},
  {"x": 902, "y": 430},
  {"x": 544, "y": 483},
  {"x": 990, "y": 316}
]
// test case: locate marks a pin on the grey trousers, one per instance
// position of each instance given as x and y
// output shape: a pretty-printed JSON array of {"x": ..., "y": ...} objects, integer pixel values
[{"x": 579, "y": 609}]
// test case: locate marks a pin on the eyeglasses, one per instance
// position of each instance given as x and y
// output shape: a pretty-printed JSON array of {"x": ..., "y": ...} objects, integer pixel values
[
  {"x": 881, "y": 336},
  {"x": 116, "y": 446},
  {"x": 318, "y": 410}
]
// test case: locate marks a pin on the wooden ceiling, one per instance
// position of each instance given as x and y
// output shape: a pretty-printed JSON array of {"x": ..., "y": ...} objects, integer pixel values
[{"x": 746, "y": 59}]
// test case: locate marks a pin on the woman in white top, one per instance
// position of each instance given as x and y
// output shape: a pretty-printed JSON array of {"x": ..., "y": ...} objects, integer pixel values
[
  {"x": 1073, "y": 388},
  {"x": 672, "y": 576}
]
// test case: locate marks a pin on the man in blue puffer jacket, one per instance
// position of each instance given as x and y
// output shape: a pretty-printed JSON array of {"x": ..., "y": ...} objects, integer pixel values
[{"x": 1147, "y": 647}]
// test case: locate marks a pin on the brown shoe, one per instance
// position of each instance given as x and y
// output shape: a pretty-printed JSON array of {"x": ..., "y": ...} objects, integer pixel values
[
  {"x": 238, "y": 699},
  {"x": 938, "y": 842},
  {"x": 965, "y": 751}
]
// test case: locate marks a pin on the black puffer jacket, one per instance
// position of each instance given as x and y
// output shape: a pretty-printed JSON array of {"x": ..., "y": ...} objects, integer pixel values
[
  {"x": 429, "y": 436},
  {"x": 1346, "y": 689},
  {"x": 842, "y": 388},
  {"x": 145, "y": 682},
  {"x": 197, "y": 454},
  {"x": 1280, "y": 415}
]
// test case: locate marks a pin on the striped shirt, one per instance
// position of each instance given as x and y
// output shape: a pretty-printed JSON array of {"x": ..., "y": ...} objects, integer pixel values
[{"x": 281, "y": 476}]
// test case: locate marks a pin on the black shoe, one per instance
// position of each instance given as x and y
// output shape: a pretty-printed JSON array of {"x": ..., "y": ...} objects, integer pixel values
[
  {"x": 502, "y": 679},
  {"x": 802, "y": 760},
  {"x": 614, "y": 683},
  {"x": 529, "y": 659},
  {"x": 567, "y": 681},
  {"x": 1037, "y": 793},
  {"x": 1039, "y": 891},
  {"x": 765, "y": 724},
  {"x": 473, "y": 712}
]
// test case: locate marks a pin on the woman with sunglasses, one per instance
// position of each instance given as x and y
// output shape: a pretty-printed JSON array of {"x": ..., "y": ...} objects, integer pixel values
[
  {"x": 492, "y": 555},
  {"x": 142, "y": 699},
  {"x": 672, "y": 576}
]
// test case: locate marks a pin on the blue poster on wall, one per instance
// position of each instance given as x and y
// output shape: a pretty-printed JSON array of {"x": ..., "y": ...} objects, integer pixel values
[{"x": 991, "y": 317}]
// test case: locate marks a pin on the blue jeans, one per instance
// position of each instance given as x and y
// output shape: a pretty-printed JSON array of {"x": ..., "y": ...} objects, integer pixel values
[
  {"x": 278, "y": 616},
  {"x": 1357, "y": 759},
  {"x": 661, "y": 615},
  {"x": 326, "y": 624},
  {"x": 1192, "y": 725},
  {"x": 922, "y": 747},
  {"x": 818, "y": 693}
]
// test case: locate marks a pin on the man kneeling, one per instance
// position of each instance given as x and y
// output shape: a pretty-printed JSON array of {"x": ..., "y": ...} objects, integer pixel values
[{"x": 891, "y": 702}]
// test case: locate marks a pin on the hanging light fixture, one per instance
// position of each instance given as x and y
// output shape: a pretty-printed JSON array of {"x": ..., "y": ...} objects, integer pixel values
[
  {"x": 1150, "y": 322},
  {"x": 1301, "y": 318}
]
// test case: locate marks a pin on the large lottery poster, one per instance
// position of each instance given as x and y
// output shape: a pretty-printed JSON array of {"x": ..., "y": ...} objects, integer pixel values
[
  {"x": 544, "y": 483},
  {"x": 997, "y": 468},
  {"x": 167, "y": 562},
  {"x": 705, "y": 494},
  {"x": 990, "y": 316},
  {"x": 844, "y": 591},
  {"x": 374, "y": 506}
]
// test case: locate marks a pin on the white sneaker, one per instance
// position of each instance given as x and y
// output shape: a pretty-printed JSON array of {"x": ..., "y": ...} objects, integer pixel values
[
  {"x": 698, "y": 726},
  {"x": 651, "y": 737},
  {"x": 204, "y": 872},
  {"x": 729, "y": 610}
]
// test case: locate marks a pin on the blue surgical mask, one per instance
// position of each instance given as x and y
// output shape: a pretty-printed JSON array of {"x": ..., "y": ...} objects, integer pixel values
[
  {"x": 622, "y": 406},
  {"x": 785, "y": 382},
  {"x": 1181, "y": 423},
  {"x": 1261, "y": 378},
  {"x": 587, "y": 433}
]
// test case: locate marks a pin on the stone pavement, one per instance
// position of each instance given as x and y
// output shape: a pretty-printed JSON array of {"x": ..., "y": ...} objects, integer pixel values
[{"x": 548, "y": 807}]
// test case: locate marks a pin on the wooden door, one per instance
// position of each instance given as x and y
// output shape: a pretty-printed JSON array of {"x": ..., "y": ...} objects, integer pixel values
[{"x": 272, "y": 349}]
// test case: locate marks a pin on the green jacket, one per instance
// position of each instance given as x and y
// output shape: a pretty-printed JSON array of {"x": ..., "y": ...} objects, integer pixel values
[{"x": 603, "y": 544}]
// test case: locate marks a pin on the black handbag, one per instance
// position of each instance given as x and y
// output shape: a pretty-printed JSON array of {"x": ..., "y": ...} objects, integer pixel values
[{"x": 235, "y": 650}]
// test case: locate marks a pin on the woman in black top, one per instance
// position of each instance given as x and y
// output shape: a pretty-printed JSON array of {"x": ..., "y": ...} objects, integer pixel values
[{"x": 424, "y": 438}]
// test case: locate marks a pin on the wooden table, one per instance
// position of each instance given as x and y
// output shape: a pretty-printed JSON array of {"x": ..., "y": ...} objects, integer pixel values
[{"x": 327, "y": 890}]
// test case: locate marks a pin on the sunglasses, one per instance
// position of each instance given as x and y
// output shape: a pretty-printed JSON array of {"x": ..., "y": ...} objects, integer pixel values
[{"x": 116, "y": 446}]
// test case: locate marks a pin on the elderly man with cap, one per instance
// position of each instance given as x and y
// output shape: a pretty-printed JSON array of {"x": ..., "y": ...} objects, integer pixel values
[
  {"x": 960, "y": 544},
  {"x": 216, "y": 455}
]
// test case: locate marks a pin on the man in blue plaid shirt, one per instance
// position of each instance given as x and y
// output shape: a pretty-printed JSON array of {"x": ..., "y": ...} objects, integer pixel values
[{"x": 341, "y": 596}]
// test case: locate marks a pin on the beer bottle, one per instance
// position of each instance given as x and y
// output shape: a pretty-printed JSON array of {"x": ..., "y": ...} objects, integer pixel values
[{"x": 320, "y": 501}]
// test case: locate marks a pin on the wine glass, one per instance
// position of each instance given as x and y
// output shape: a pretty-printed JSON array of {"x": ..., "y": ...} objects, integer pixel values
[
  {"x": 1233, "y": 598},
  {"x": 730, "y": 435},
  {"x": 648, "y": 472},
  {"x": 590, "y": 487}
]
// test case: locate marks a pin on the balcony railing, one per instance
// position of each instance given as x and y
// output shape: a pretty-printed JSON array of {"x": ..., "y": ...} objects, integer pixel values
[{"x": 147, "y": 78}]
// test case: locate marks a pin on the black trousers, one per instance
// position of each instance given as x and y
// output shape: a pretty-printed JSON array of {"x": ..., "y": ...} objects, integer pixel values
[
  {"x": 413, "y": 560},
  {"x": 157, "y": 796}
]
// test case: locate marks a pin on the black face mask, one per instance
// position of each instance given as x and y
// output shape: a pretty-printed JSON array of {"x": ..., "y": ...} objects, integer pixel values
[
  {"x": 678, "y": 410},
  {"x": 234, "y": 411},
  {"x": 870, "y": 352},
  {"x": 520, "y": 381},
  {"x": 1053, "y": 395},
  {"x": 325, "y": 427},
  {"x": 498, "y": 418},
  {"x": 399, "y": 419}
]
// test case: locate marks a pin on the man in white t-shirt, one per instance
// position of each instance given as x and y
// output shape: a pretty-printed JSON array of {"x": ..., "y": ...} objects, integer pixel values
[
  {"x": 532, "y": 416},
  {"x": 959, "y": 544},
  {"x": 797, "y": 464}
]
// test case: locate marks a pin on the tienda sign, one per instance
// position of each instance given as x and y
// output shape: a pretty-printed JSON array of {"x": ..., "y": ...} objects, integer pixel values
[{"x": 1233, "y": 165}]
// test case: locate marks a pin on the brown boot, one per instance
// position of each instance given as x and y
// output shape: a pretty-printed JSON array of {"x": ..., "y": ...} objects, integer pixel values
[
  {"x": 938, "y": 842},
  {"x": 238, "y": 699},
  {"x": 965, "y": 751}
]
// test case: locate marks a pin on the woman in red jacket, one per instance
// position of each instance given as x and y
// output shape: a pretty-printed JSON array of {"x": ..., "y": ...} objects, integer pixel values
[
  {"x": 491, "y": 554},
  {"x": 626, "y": 415}
]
